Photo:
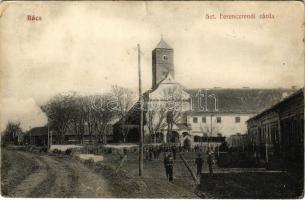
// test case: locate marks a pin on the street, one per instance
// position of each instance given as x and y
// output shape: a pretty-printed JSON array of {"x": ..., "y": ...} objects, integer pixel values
[
  {"x": 59, "y": 177},
  {"x": 27, "y": 174},
  {"x": 62, "y": 176}
]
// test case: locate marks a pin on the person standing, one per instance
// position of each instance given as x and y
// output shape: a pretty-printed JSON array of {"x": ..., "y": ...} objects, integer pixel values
[
  {"x": 146, "y": 153},
  {"x": 210, "y": 163},
  {"x": 165, "y": 161},
  {"x": 199, "y": 162},
  {"x": 170, "y": 166},
  {"x": 174, "y": 149},
  {"x": 150, "y": 153}
]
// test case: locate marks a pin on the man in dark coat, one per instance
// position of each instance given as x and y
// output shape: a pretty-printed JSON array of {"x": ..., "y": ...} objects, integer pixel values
[
  {"x": 199, "y": 162},
  {"x": 174, "y": 150},
  {"x": 150, "y": 153},
  {"x": 170, "y": 166},
  {"x": 210, "y": 163},
  {"x": 165, "y": 161}
]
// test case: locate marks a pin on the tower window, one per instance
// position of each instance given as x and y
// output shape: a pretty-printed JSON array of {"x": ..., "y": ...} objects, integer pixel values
[
  {"x": 165, "y": 57},
  {"x": 195, "y": 119},
  {"x": 237, "y": 119}
]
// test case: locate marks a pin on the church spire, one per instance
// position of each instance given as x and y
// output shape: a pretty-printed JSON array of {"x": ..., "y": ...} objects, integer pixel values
[{"x": 162, "y": 44}]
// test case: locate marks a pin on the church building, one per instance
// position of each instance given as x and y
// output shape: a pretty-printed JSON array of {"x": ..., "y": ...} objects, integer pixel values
[{"x": 198, "y": 115}]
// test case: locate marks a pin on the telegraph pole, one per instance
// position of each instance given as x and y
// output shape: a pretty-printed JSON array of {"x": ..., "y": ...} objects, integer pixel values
[
  {"x": 141, "y": 115},
  {"x": 266, "y": 149},
  {"x": 210, "y": 131},
  {"x": 48, "y": 135}
]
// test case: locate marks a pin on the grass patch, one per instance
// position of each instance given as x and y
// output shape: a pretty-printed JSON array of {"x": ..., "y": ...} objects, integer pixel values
[
  {"x": 251, "y": 185},
  {"x": 14, "y": 169}
]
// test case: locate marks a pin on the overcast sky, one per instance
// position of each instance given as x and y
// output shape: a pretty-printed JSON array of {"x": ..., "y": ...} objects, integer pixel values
[{"x": 89, "y": 46}]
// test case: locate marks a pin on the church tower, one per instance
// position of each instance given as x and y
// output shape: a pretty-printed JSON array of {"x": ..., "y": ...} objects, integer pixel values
[{"x": 162, "y": 62}]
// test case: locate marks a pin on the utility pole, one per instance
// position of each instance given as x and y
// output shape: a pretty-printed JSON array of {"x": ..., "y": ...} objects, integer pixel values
[
  {"x": 267, "y": 156},
  {"x": 30, "y": 136},
  {"x": 206, "y": 100},
  {"x": 48, "y": 135},
  {"x": 211, "y": 124},
  {"x": 141, "y": 115},
  {"x": 211, "y": 131},
  {"x": 51, "y": 132}
]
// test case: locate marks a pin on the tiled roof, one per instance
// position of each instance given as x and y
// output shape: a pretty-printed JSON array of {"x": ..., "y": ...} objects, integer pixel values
[
  {"x": 299, "y": 93},
  {"x": 243, "y": 100}
]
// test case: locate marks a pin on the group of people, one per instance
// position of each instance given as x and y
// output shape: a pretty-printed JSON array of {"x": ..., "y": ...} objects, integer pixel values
[
  {"x": 199, "y": 162},
  {"x": 170, "y": 154},
  {"x": 153, "y": 152}
]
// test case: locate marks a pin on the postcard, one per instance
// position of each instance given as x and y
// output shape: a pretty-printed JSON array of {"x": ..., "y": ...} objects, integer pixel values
[{"x": 152, "y": 99}]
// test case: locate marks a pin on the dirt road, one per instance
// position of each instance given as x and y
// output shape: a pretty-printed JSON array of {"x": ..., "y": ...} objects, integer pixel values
[
  {"x": 27, "y": 174},
  {"x": 58, "y": 177}
]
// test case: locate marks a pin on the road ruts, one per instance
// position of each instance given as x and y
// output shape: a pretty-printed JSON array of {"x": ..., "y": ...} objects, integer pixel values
[
  {"x": 61, "y": 177},
  {"x": 32, "y": 180},
  {"x": 60, "y": 181},
  {"x": 90, "y": 184}
]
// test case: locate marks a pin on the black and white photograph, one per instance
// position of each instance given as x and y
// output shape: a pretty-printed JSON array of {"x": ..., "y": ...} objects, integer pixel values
[{"x": 152, "y": 99}]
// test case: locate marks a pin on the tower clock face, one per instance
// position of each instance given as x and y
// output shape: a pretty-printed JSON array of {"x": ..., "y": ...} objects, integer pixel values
[{"x": 165, "y": 57}]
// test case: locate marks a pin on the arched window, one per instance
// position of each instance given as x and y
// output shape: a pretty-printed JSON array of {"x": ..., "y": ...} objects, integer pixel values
[{"x": 185, "y": 134}]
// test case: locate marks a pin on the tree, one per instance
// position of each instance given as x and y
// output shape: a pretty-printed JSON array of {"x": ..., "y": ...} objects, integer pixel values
[
  {"x": 11, "y": 133},
  {"x": 59, "y": 111},
  {"x": 102, "y": 114},
  {"x": 124, "y": 100},
  {"x": 77, "y": 117},
  {"x": 155, "y": 120},
  {"x": 165, "y": 110}
]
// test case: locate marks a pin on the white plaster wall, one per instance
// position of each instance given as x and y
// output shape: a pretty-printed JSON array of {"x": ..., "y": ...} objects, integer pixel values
[{"x": 227, "y": 127}]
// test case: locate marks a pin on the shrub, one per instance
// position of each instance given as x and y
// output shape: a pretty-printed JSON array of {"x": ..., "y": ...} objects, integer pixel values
[
  {"x": 68, "y": 151},
  {"x": 57, "y": 151}
]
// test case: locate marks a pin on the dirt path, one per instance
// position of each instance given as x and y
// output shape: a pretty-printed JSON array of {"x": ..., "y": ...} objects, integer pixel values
[
  {"x": 90, "y": 184},
  {"x": 33, "y": 180},
  {"x": 60, "y": 177}
]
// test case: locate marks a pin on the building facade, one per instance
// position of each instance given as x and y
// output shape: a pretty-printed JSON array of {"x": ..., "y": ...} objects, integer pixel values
[
  {"x": 278, "y": 131},
  {"x": 197, "y": 114}
]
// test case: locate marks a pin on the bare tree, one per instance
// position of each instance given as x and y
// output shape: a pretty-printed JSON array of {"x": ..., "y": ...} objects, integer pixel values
[
  {"x": 169, "y": 104},
  {"x": 155, "y": 120},
  {"x": 11, "y": 133},
  {"x": 77, "y": 117},
  {"x": 124, "y": 99},
  {"x": 87, "y": 114},
  {"x": 102, "y": 115},
  {"x": 59, "y": 112}
]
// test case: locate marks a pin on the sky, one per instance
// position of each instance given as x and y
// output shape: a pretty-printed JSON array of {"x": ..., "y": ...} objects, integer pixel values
[{"x": 89, "y": 46}]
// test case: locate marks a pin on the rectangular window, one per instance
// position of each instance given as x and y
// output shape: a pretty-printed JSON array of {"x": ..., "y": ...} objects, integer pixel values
[
  {"x": 203, "y": 120},
  {"x": 195, "y": 119},
  {"x": 237, "y": 119},
  {"x": 218, "y": 119}
]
